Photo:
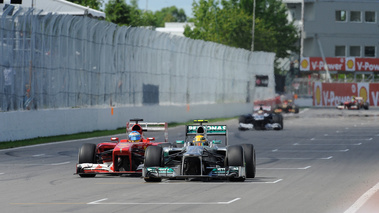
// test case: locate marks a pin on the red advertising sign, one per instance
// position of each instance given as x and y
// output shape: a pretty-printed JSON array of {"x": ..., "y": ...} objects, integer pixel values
[
  {"x": 335, "y": 93},
  {"x": 332, "y": 94},
  {"x": 374, "y": 94},
  {"x": 367, "y": 64},
  {"x": 339, "y": 64}
]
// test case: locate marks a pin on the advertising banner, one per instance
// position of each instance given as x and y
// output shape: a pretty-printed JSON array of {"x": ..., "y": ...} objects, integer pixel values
[
  {"x": 367, "y": 64},
  {"x": 317, "y": 91},
  {"x": 374, "y": 94},
  {"x": 349, "y": 64},
  {"x": 332, "y": 94},
  {"x": 335, "y": 93}
]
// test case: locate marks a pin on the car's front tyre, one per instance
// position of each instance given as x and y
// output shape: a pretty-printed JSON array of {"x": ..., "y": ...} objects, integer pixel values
[
  {"x": 153, "y": 158},
  {"x": 87, "y": 154}
]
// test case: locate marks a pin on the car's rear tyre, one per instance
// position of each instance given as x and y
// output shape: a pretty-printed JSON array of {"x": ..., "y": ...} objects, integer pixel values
[
  {"x": 250, "y": 160},
  {"x": 365, "y": 106},
  {"x": 153, "y": 158},
  {"x": 278, "y": 118},
  {"x": 296, "y": 110},
  {"x": 87, "y": 154}
]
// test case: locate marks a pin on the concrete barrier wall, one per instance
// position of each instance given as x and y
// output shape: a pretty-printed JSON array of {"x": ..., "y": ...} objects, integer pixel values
[{"x": 18, "y": 125}]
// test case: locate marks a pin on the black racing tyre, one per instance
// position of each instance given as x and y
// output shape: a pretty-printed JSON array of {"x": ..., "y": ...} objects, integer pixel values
[
  {"x": 242, "y": 119},
  {"x": 366, "y": 106},
  {"x": 234, "y": 155},
  {"x": 151, "y": 179},
  {"x": 281, "y": 122},
  {"x": 250, "y": 160},
  {"x": 278, "y": 118},
  {"x": 296, "y": 109},
  {"x": 153, "y": 156},
  {"x": 87, "y": 154}
]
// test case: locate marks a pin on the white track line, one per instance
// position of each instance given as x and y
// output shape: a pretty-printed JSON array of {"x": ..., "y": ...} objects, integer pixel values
[
  {"x": 324, "y": 158},
  {"x": 326, "y": 144},
  {"x": 98, "y": 202},
  {"x": 304, "y": 151},
  {"x": 341, "y": 139},
  {"x": 57, "y": 164},
  {"x": 303, "y": 168},
  {"x": 224, "y": 183},
  {"x": 363, "y": 199}
]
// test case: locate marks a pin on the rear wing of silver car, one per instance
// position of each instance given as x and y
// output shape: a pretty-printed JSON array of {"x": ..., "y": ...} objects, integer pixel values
[
  {"x": 206, "y": 130},
  {"x": 136, "y": 125}
]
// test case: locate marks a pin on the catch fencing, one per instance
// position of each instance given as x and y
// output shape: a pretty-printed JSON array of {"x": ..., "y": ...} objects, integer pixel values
[{"x": 62, "y": 61}]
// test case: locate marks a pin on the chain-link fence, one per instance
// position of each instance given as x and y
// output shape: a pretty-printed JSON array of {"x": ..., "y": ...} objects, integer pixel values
[{"x": 57, "y": 61}]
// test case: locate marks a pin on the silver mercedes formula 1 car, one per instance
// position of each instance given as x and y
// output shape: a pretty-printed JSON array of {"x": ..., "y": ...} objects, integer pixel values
[{"x": 200, "y": 158}]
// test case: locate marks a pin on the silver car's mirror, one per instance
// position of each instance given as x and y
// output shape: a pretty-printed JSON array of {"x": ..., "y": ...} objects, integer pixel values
[
  {"x": 180, "y": 142},
  {"x": 216, "y": 141}
]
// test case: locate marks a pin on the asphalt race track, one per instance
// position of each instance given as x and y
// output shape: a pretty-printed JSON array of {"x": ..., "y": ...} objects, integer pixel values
[{"x": 324, "y": 161}]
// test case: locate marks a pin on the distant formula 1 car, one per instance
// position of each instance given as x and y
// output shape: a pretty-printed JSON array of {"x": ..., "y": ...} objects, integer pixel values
[
  {"x": 120, "y": 156},
  {"x": 287, "y": 106},
  {"x": 261, "y": 119},
  {"x": 200, "y": 158},
  {"x": 355, "y": 103}
]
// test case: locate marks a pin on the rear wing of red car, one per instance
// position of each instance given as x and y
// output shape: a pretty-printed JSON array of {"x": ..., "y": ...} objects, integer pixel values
[
  {"x": 135, "y": 125},
  {"x": 264, "y": 108},
  {"x": 207, "y": 130}
]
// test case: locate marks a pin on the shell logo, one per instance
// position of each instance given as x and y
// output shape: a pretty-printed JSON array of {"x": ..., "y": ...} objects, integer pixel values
[
  {"x": 363, "y": 93},
  {"x": 350, "y": 64},
  {"x": 304, "y": 64},
  {"x": 318, "y": 95}
]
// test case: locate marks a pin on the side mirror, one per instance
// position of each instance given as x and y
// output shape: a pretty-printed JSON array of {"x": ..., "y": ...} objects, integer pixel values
[
  {"x": 180, "y": 142},
  {"x": 216, "y": 141},
  {"x": 151, "y": 139},
  {"x": 114, "y": 139}
]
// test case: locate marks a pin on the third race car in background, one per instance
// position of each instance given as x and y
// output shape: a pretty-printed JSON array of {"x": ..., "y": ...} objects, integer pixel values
[
  {"x": 262, "y": 119},
  {"x": 355, "y": 103},
  {"x": 287, "y": 106}
]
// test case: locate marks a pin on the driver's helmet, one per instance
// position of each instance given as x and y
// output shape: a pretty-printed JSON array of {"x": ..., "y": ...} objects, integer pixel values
[
  {"x": 199, "y": 140},
  {"x": 134, "y": 136}
]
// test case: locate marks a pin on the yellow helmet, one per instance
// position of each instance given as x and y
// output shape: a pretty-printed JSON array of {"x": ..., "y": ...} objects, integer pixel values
[{"x": 199, "y": 140}]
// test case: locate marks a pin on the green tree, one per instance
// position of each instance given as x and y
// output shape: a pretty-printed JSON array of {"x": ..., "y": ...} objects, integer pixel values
[
  {"x": 118, "y": 12},
  {"x": 231, "y": 24},
  {"x": 170, "y": 14},
  {"x": 94, "y": 4}
]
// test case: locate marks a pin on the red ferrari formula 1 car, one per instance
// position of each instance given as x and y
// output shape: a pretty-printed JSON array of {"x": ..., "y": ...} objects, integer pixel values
[
  {"x": 120, "y": 156},
  {"x": 355, "y": 103}
]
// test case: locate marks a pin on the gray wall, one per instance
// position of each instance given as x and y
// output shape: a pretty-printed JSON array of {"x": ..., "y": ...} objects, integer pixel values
[
  {"x": 19, "y": 125},
  {"x": 73, "y": 69}
]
